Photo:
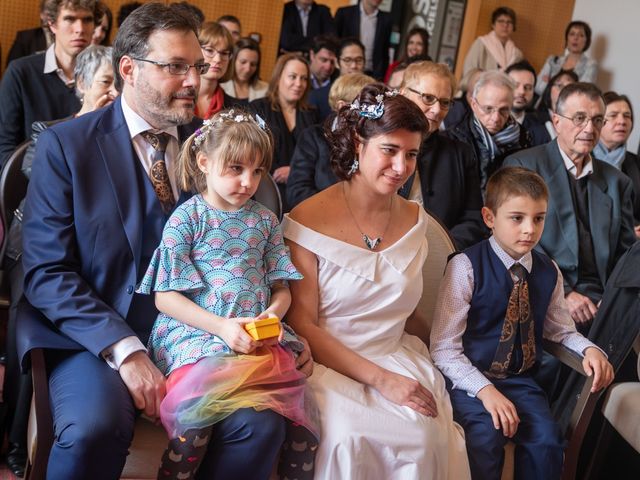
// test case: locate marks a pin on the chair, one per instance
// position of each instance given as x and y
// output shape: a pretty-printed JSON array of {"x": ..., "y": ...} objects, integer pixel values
[
  {"x": 441, "y": 245},
  {"x": 13, "y": 188},
  {"x": 268, "y": 195},
  {"x": 149, "y": 440},
  {"x": 621, "y": 412}
]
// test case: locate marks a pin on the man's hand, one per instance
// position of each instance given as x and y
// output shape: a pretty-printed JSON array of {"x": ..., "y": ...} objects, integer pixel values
[
  {"x": 582, "y": 308},
  {"x": 304, "y": 362},
  {"x": 144, "y": 381},
  {"x": 502, "y": 411},
  {"x": 595, "y": 363}
]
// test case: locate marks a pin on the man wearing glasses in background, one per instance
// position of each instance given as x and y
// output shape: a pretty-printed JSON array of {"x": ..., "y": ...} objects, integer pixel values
[
  {"x": 101, "y": 190},
  {"x": 589, "y": 222},
  {"x": 490, "y": 128},
  {"x": 446, "y": 180}
]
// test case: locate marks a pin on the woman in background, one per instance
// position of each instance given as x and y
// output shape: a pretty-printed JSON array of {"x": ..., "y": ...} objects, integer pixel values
[
  {"x": 287, "y": 113},
  {"x": 495, "y": 50},
  {"x": 612, "y": 147},
  {"x": 102, "y": 32},
  {"x": 245, "y": 84},
  {"x": 216, "y": 44},
  {"x": 416, "y": 43},
  {"x": 577, "y": 37}
]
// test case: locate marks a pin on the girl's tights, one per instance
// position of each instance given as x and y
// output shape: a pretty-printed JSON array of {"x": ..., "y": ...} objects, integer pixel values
[{"x": 184, "y": 454}]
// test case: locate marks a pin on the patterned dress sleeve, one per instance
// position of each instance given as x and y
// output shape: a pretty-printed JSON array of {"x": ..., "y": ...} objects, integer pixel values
[
  {"x": 278, "y": 265},
  {"x": 171, "y": 267}
]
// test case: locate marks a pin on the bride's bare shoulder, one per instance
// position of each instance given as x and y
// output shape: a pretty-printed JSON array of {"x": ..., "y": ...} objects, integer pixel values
[{"x": 318, "y": 210}]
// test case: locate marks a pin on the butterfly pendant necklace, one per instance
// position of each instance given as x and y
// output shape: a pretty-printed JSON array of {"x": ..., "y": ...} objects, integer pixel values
[{"x": 370, "y": 242}]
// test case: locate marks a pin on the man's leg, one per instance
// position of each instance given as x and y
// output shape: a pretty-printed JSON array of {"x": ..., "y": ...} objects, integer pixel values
[
  {"x": 244, "y": 446},
  {"x": 93, "y": 418}
]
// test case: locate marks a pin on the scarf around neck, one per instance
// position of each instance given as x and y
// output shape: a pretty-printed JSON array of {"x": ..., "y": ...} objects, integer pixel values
[
  {"x": 613, "y": 157},
  {"x": 504, "y": 55}
]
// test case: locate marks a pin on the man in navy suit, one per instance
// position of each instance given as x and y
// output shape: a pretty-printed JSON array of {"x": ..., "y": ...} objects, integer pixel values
[
  {"x": 92, "y": 221},
  {"x": 589, "y": 222},
  {"x": 302, "y": 20},
  {"x": 373, "y": 28}
]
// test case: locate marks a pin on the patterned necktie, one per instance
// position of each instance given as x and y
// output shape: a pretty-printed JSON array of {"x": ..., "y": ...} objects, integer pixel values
[
  {"x": 158, "y": 173},
  {"x": 517, "y": 318}
]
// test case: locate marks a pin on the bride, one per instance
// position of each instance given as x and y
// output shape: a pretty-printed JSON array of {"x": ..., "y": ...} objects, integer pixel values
[{"x": 384, "y": 409}]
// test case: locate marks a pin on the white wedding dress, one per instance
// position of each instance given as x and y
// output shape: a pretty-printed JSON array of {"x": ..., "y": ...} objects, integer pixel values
[{"x": 365, "y": 298}]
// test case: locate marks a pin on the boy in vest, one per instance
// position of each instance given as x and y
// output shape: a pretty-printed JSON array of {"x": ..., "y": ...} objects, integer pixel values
[{"x": 497, "y": 301}]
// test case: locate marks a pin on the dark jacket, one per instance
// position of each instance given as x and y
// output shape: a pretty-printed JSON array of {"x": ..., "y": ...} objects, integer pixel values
[
  {"x": 462, "y": 131},
  {"x": 27, "y": 95},
  {"x": 291, "y": 37},
  {"x": 614, "y": 328},
  {"x": 537, "y": 130},
  {"x": 27, "y": 43},
  {"x": 283, "y": 139},
  {"x": 450, "y": 186},
  {"x": 631, "y": 168},
  {"x": 310, "y": 166},
  {"x": 319, "y": 98},
  {"x": 348, "y": 25}
]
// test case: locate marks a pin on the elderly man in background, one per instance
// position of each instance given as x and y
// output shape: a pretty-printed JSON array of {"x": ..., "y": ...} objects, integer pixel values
[
  {"x": 490, "y": 128},
  {"x": 589, "y": 222},
  {"x": 446, "y": 179},
  {"x": 40, "y": 87}
]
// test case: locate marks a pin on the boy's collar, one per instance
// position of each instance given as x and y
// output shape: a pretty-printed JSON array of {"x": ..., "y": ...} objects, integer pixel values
[{"x": 526, "y": 261}]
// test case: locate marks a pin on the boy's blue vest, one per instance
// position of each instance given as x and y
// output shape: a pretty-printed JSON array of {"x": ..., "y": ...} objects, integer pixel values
[
  {"x": 491, "y": 291},
  {"x": 142, "y": 312}
]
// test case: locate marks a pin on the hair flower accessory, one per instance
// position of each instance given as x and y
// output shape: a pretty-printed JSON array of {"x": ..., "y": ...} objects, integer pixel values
[
  {"x": 372, "y": 111},
  {"x": 238, "y": 117}
]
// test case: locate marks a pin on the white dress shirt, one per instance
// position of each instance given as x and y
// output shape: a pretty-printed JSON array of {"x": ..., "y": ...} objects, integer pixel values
[
  {"x": 450, "y": 320},
  {"x": 368, "y": 24},
  {"x": 587, "y": 168},
  {"x": 51, "y": 65}
]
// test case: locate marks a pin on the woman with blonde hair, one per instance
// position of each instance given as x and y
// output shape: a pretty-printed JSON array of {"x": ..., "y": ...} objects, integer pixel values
[
  {"x": 310, "y": 168},
  {"x": 286, "y": 112},
  {"x": 216, "y": 44}
]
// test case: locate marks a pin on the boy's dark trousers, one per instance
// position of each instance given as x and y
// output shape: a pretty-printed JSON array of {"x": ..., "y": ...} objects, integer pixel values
[{"x": 539, "y": 442}]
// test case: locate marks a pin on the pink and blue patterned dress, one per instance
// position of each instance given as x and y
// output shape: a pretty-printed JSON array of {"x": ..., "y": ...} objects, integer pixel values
[{"x": 223, "y": 261}]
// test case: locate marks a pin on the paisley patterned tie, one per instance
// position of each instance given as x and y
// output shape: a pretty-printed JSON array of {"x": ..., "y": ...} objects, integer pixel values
[
  {"x": 518, "y": 317},
  {"x": 158, "y": 173}
]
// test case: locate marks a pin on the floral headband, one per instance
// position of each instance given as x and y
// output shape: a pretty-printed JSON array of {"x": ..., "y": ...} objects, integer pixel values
[
  {"x": 372, "y": 111},
  {"x": 202, "y": 132}
]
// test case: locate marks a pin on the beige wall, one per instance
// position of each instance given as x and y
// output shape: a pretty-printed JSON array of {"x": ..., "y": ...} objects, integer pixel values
[{"x": 539, "y": 30}]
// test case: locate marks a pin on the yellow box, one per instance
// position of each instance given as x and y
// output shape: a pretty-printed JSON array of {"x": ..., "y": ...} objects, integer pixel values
[{"x": 264, "y": 328}]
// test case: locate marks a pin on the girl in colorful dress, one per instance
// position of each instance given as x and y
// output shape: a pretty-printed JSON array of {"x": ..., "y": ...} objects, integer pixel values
[{"x": 222, "y": 264}]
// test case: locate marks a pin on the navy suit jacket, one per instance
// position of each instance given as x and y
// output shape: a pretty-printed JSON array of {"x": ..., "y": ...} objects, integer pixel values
[
  {"x": 610, "y": 211},
  {"x": 83, "y": 235},
  {"x": 291, "y": 37},
  {"x": 348, "y": 25}
]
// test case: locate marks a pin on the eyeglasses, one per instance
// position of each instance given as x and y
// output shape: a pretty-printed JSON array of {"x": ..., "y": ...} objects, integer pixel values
[
  {"x": 582, "y": 119},
  {"x": 211, "y": 52},
  {"x": 351, "y": 61},
  {"x": 489, "y": 110},
  {"x": 429, "y": 100},
  {"x": 177, "y": 68}
]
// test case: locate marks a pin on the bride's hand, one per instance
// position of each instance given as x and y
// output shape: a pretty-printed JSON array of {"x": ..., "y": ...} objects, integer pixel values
[{"x": 408, "y": 392}]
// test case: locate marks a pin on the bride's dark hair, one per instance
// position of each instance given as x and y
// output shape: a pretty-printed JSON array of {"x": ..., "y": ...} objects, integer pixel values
[{"x": 400, "y": 113}]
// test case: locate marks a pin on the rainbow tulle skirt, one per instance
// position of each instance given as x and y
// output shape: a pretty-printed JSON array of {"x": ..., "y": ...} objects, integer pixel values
[{"x": 208, "y": 391}]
